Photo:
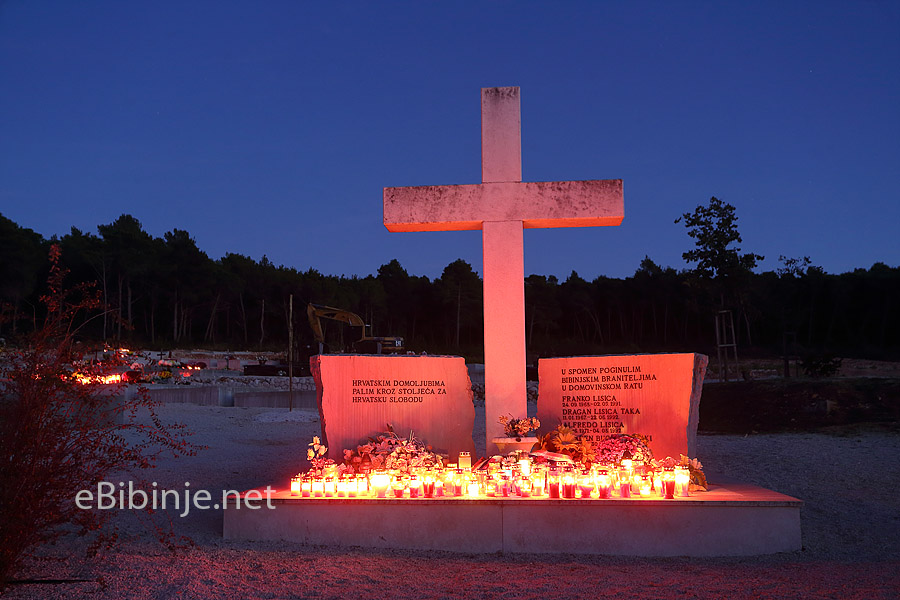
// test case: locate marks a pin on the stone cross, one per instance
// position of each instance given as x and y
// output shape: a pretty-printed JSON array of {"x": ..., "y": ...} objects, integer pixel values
[{"x": 502, "y": 206}]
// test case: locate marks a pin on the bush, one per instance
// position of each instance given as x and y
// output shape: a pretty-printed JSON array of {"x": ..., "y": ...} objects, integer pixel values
[
  {"x": 60, "y": 434},
  {"x": 820, "y": 365}
]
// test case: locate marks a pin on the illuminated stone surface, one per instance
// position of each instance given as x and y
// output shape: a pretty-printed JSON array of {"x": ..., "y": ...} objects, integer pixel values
[
  {"x": 359, "y": 395},
  {"x": 501, "y": 206},
  {"x": 729, "y": 520},
  {"x": 651, "y": 394}
]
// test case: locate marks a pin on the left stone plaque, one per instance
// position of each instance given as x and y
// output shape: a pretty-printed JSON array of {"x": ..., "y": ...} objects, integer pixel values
[{"x": 359, "y": 395}]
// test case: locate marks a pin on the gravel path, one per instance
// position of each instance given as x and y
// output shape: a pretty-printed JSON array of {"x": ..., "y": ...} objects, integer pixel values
[{"x": 851, "y": 532}]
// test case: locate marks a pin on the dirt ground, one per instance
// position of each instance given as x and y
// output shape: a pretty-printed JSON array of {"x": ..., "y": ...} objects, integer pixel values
[{"x": 851, "y": 531}]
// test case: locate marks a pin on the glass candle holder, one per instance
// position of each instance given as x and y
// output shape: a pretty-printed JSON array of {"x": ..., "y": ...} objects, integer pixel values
[
  {"x": 624, "y": 483},
  {"x": 683, "y": 481},
  {"x": 428, "y": 484},
  {"x": 668, "y": 482},
  {"x": 604, "y": 483},
  {"x": 449, "y": 481},
  {"x": 554, "y": 481},
  {"x": 397, "y": 486},
  {"x": 415, "y": 486},
  {"x": 525, "y": 467},
  {"x": 585, "y": 484},
  {"x": 342, "y": 487},
  {"x": 568, "y": 483},
  {"x": 296, "y": 485},
  {"x": 465, "y": 460},
  {"x": 646, "y": 486},
  {"x": 330, "y": 487},
  {"x": 306, "y": 487},
  {"x": 524, "y": 485},
  {"x": 459, "y": 481},
  {"x": 380, "y": 482},
  {"x": 635, "y": 483}
]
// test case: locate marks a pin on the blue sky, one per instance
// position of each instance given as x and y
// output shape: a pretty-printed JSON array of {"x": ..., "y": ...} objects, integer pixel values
[{"x": 272, "y": 127}]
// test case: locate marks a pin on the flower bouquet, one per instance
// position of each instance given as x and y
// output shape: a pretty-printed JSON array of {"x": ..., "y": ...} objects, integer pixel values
[
  {"x": 516, "y": 432},
  {"x": 563, "y": 440},
  {"x": 518, "y": 428},
  {"x": 389, "y": 451},
  {"x": 619, "y": 446},
  {"x": 315, "y": 454}
]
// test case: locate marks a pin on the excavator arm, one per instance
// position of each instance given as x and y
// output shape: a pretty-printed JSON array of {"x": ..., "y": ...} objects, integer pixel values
[{"x": 317, "y": 312}]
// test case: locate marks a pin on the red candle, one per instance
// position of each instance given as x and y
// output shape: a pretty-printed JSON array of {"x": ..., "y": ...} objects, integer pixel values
[{"x": 554, "y": 489}]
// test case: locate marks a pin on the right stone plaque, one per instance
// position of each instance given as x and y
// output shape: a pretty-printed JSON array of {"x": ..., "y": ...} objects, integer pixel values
[{"x": 657, "y": 395}]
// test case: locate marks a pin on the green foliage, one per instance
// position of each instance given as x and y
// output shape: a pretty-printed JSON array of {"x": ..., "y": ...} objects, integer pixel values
[
  {"x": 175, "y": 295},
  {"x": 714, "y": 229}
]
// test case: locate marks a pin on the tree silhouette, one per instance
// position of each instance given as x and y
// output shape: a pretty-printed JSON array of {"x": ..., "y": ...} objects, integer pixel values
[{"x": 714, "y": 229}]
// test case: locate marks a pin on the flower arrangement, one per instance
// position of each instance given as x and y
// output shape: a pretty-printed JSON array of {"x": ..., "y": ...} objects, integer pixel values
[
  {"x": 518, "y": 428},
  {"x": 624, "y": 445},
  {"x": 315, "y": 454},
  {"x": 390, "y": 451},
  {"x": 563, "y": 440},
  {"x": 698, "y": 477}
]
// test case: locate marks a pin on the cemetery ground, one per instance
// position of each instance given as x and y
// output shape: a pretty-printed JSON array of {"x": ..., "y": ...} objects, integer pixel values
[{"x": 835, "y": 446}]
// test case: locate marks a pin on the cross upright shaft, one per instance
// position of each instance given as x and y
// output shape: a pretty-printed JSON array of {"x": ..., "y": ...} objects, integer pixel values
[{"x": 502, "y": 206}]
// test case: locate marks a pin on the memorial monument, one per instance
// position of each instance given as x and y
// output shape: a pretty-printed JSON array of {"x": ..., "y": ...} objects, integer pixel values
[{"x": 507, "y": 506}]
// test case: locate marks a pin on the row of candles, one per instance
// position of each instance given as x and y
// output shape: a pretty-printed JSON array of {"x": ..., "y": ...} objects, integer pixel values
[{"x": 512, "y": 478}]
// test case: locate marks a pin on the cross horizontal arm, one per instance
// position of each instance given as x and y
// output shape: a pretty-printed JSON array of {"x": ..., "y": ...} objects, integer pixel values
[{"x": 536, "y": 204}]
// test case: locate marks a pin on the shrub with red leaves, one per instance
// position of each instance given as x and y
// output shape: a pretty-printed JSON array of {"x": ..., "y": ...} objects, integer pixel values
[{"x": 59, "y": 434}]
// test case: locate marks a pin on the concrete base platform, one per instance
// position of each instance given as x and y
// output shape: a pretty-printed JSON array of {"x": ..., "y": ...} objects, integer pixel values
[{"x": 729, "y": 520}]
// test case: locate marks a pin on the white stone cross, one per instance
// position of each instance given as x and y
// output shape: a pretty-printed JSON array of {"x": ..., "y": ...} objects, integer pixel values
[{"x": 502, "y": 206}]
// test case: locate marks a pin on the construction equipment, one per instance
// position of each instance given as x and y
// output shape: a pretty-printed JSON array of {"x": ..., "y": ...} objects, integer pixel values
[{"x": 364, "y": 344}]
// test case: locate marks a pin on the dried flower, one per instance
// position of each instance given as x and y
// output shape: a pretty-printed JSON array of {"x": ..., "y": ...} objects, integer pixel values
[{"x": 517, "y": 428}]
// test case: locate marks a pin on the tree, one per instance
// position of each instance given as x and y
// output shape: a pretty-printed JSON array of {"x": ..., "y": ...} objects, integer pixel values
[
  {"x": 127, "y": 251},
  {"x": 460, "y": 293},
  {"x": 718, "y": 258},
  {"x": 542, "y": 307},
  {"x": 22, "y": 256},
  {"x": 190, "y": 276},
  {"x": 714, "y": 229}
]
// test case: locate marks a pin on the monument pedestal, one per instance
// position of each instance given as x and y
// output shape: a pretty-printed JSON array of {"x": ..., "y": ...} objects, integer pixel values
[{"x": 729, "y": 520}]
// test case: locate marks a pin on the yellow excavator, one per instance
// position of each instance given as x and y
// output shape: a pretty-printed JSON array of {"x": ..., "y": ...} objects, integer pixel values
[{"x": 364, "y": 345}]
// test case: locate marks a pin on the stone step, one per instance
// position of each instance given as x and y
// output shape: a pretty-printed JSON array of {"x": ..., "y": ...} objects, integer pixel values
[{"x": 734, "y": 519}]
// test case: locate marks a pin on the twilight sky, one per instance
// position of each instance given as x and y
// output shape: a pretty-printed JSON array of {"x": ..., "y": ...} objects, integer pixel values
[{"x": 272, "y": 127}]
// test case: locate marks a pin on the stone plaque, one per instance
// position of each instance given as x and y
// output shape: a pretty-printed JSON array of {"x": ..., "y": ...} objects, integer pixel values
[
  {"x": 359, "y": 395},
  {"x": 657, "y": 395}
]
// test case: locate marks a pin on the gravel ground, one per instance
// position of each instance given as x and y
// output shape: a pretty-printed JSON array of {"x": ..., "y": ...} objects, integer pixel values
[{"x": 851, "y": 532}]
